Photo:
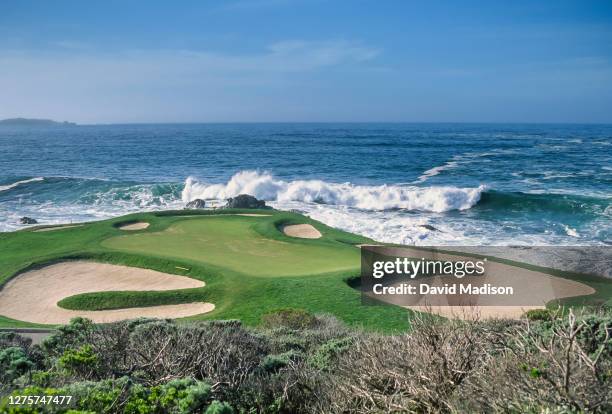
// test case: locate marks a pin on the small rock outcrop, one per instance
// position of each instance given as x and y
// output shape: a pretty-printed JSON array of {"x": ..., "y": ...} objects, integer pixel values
[
  {"x": 197, "y": 203},
  {"x": 245, "y": 201},
  {"x": 28, "y": 220},
  {"x": 429, "y": 227}
]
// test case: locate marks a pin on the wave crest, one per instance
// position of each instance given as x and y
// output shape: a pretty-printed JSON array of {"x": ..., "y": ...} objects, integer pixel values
[
  {"x": 18, "y": 183},
  {"x": 382, "y": 197}
]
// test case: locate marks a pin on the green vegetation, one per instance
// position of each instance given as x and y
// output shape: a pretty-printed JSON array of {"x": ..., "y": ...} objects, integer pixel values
[
  {"x": 234, "y": 243},
  {"x": 539, "y": 314},
  {"x": 290, "y": 318},
  {"x": 300, "y": 363},
  {"x": 289, "y": 333},
  {"x": 250, "y": 267}
]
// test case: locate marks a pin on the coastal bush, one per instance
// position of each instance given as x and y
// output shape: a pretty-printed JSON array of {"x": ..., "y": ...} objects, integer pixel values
[
  {"x": 293, "y": 388},
  {"x": 597, "y": 330},
  {"x": 18, "y": 359},
  {"x": 592, "y": 329},
  {"x": 273, "y": 363},
  {"x": 324, "y": 328},
  {"x": 289, "y": 318},
  {"x": 81, "y": 362},
  {"x": 217, "y": 407},
  {"x": 556, "y": 365},
  {"x": 68, "y": 336},
  {"x": 324, "y": 356},
  {"x": 181, "y": 396},
  {"x": 14, "y": 363},
  {"x": 158, "y": 351},
  {"x": 9, "y": 339},
  {"x": 539, "y": 315},
  {"x": 415, "y": 372}
]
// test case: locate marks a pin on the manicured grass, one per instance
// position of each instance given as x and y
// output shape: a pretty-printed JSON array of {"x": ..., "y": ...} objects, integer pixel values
[
  {"x": 249, "y": 266},
  {"x": 12, "y": 323},
  {"x": 232, "y": 243}
]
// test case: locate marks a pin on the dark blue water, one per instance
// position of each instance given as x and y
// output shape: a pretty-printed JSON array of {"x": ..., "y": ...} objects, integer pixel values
[{"x": 478, "y": 184}]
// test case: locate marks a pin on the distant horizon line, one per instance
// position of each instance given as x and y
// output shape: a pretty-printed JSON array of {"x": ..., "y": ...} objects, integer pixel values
[{"x": 75, "y": 123}]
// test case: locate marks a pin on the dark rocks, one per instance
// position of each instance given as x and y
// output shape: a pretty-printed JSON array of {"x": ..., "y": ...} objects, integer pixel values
[
  {"x": 245, "y": 201},
  {"x": 28, "y": 220},
  {"x": 429, "y": 227},
  {"x": 197, "y": 203}
]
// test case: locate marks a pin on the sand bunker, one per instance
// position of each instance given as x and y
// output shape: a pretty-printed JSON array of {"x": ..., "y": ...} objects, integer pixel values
[
  {"x": 68, "y": 226},
  {"x": 33, "y": 295},
  {"x": 304, "y": 231},
  {"x": 532, "y": 288},
  {"x": 141, "y": 225}
]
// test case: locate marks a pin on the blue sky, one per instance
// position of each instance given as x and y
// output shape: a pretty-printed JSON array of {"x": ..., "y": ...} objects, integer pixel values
[{"x": 307, "y": 60}]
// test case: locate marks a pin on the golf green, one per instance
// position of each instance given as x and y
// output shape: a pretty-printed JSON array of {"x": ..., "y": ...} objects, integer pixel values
[{"x": 233, "y": 243}]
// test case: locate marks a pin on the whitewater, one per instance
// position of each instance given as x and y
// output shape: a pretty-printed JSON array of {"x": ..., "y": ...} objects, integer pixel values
[{"x": 377, "y": 198}]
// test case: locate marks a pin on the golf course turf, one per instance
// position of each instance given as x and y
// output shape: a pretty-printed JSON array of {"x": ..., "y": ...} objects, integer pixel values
[{"x": 249, "y": 265}]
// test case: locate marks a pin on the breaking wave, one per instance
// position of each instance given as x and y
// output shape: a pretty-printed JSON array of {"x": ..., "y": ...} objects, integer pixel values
[{"x": 377, "y": 198}]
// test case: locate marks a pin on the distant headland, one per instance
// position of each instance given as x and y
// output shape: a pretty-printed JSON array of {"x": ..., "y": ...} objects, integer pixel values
[{"x": 33, "y": 122}]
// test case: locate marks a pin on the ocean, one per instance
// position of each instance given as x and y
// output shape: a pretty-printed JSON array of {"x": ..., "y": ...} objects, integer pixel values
[{"x": 423, "y": 184}]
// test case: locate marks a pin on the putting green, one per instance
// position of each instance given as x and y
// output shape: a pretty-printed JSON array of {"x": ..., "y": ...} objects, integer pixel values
[{"x": 232, "y": 242}]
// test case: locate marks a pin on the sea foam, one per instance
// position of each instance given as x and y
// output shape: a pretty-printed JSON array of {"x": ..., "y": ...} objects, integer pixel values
[{"x": 377, "y": 198}]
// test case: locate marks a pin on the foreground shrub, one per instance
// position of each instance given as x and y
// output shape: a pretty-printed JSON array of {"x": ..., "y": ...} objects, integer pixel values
[
  {"x": 68, "y": 336},
  {"x": 592, "y": 330},
  {"x": 416, "y": 372},
  {"x": 9, "y": 339},
  {"x": 289, "y": 318},
  {"x": 153, "y": 352},
  {"x": 181, "y": 396},
  {"x": 293, "y": 388},
  {"x": 557, "y": 364},
  {"x": 326, "y": 355},
  {"x": 560, "y": 366},
  {"x": 219, "y": 408},
  {"x": 14, "y": 363},
  {"x": 81, "y": 362},
  {"x": 223, "y": 355},
  {"x": 539, "y": 315}
]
